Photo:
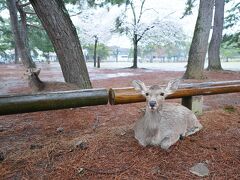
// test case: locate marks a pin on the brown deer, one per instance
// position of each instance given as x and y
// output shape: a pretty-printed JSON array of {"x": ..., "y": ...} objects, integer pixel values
[
  {"x": 163, "y": 124},
  {"x": 37, "y": 85}
]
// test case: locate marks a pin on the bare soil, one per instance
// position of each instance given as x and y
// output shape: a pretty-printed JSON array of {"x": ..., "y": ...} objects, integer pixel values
[{"x": 42, "y": 145}]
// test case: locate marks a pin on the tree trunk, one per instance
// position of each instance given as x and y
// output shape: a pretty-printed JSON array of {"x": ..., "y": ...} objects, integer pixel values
[
  {"x": 63, "y": 35},
  {"x": 16, "y": 60},
  {"x": 135, "y": 51},
  {"x": 23, "y": 25},
  {"x": 95, "y": 51},
  {"x": 214, "y": 62},
  {"x": 199, "y": 43},
  {"x": 20, "y": 45},
  {"x": 98, "y": 61}
]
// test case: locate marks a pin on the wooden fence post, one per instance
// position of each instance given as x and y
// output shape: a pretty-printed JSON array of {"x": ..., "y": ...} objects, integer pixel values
[{"x": 194, "y": 103}]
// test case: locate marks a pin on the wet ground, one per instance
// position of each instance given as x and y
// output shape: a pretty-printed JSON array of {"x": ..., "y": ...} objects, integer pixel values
[
  {"x": 167, "y": 66},
  {"x": 12, "y": 76},
  {"x": 98, "y": 142}
]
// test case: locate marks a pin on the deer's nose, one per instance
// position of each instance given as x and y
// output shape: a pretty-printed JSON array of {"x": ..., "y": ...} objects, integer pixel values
[{"x": 152, "y": 103}]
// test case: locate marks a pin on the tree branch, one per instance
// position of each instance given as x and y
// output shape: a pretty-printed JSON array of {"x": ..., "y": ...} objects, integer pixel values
[
  {"x": 167, "y": 15},
  {"x": 23, "y": 5},
  {"x": 141, "y": 11},
  {"x": 144, "y": 32},
  {"x": 31, "y": 13},
  {"x": 134, "y": 14},
  {"x": 150, "y": 9},
  {"x": 188, "y": 8},
  {"x": 35, "y": 26},
  {"x": 76, "y": 14}
]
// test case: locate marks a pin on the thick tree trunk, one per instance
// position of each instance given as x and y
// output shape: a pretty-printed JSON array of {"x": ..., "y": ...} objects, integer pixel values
[
  {"x": 199, "y": 44},
  {"x": 214, "y": 62},
  {"x": 135, "y": 51},
  {"x": 63, "y": 35},
  {"x": 23, "y": 51},
  {"x": 23, "y": 25},
  {"x": 95, "y": 51}
]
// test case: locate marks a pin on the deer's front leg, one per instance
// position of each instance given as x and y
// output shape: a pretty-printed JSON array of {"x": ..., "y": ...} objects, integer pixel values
[
  {"x": 141, "y": 138},
  {"x": 143, "y": 143},
  {"x": 169, "y": 140}
]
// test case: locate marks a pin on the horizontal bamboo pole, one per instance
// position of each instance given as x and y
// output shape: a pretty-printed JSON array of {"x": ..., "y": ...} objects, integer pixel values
[
  {"x": 13, "y": 104},
  {"x": 208, "y": 84},
  {"x": 130, "y": 95}
]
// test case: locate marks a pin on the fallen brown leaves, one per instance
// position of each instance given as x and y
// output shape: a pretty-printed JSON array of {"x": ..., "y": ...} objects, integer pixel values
[{"x": 34, "y": 149}]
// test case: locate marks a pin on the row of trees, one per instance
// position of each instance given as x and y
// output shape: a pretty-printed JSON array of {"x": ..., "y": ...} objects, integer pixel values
[
  {"x": 63, "y": 38},
  {"x": 36, "y": 39},
  {"x": 199, "y": 45}
]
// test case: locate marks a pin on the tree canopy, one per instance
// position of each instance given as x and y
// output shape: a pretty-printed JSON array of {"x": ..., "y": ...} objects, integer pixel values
[{"x": 232, "y": 23}]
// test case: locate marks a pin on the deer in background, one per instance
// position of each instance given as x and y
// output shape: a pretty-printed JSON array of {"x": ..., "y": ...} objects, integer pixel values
[
  {"x": 37, "y": 85},
  {"x": 163, "y": 124}
]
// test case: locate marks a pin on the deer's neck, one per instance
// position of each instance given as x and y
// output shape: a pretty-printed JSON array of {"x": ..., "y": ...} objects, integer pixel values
[
  {"x": 35, "y": 83},
  {"x": 154, "y": 115}
]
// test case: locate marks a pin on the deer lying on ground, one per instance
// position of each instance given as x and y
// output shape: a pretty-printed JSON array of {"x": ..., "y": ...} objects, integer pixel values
[
  {"x": 163, "y": 124},
  {"x": 37, "y": 85}
]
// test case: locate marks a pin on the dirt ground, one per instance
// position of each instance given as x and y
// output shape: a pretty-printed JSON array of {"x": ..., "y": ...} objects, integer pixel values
[{"x": 98, "y": 143}]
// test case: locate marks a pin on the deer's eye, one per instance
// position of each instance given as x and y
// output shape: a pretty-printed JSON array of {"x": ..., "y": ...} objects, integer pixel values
[
  {"x": 147, "y": 94},
  {"x": 161, "y": 94}
]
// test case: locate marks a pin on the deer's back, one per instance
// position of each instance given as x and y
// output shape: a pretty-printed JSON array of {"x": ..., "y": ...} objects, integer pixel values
[
  {"x": 174, "y": 111},
  {"x": 174, "y": 114}
]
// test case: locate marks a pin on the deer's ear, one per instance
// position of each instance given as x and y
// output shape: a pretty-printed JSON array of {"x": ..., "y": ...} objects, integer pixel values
[
  {"x": 139, "y": 86},
  {"x": 37, "y": 71},
  {"x": 172, "y": 86}
]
